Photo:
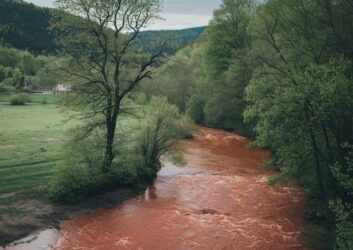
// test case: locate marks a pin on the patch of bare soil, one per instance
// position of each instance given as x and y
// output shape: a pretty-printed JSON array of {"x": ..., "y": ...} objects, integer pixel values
[
  {"x": 10, "y": 146},
  {"x": 6, "y": 195},
  {"x": 50, "y": 139},
  {"x": 36, "y": 215}
]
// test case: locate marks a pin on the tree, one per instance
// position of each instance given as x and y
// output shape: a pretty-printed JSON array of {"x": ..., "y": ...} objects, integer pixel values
[
  {"x": 102, "y": 69},
  {"x": 227, "y": 35}
]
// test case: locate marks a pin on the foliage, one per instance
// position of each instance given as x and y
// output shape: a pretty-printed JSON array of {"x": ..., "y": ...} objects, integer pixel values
[
  {"x": 99, "y": 39},
  {"x": 19, "y": 99},
  {"x": 21, "y": 70},
  {"x": 273, "y": 180},
  {"x": 343, "y": 206},
  {"x": 286, "y": 68},
  {"x": 161, "y": 131},
  {"x": 137, "y": 161},
  {"x": 298, "y": 97},
  {"x": 207, "y": 80},
  {"x": 25, "y": 26},
  {"x": 149, "y": 41}
]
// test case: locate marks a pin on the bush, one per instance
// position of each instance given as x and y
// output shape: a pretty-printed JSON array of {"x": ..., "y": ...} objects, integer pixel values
[
  {"x": 80, "y": 174},
  {"x": 161, "y": 132},
  {"x": 273, "y": 180},
  {"x": 5, "y": 88},
  {"x": 195, "y": 108},
  {"x": 342, "y": 207},
  {"x": 19, "y": 99},
  {"x": 74, "y": 183}
]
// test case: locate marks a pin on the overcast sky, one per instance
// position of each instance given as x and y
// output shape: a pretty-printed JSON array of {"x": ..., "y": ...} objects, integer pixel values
[{"x": 179, "y": 14}]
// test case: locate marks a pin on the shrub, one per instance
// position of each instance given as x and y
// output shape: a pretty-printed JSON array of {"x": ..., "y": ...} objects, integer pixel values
[
  {"x": 195, "y": 108},
  {"x": 4, "y": 88},
  {"x": 74, "y": 183},
  {"x": 155, "y": 140},
  {"x": 161, "y": 132},
  {"x": 273, "y": 180},
  {"x": 80, "y": 174},
  {"x": 19, "y": 99},
  {"x": 342, "y": 207}
]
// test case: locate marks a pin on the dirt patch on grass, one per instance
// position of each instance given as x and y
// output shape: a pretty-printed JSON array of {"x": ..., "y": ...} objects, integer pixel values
[
  {"x": 6, "y": 195},
  {"x": 10, "y": 146},
  {"x": 27, "y": 217},
  {"x": 50, "y": 139}
]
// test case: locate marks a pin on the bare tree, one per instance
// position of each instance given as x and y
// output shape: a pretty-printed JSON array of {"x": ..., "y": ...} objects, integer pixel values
[{"x": 103, "y": 66}]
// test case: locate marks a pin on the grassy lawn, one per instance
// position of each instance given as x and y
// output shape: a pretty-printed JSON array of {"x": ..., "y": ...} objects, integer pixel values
[
  {"x": 36, "y": 98},
  {"x": 31, "y": 139},
  {"x": 31, "y": 145}
]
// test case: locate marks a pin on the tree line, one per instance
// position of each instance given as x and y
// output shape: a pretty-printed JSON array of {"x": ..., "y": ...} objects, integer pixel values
[
  {"x": 279, "y": 71},
  {"x": 19, "y": 67}
]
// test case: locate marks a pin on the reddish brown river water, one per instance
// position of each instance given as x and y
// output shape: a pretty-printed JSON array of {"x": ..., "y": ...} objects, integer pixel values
[{"x": 220, "y": 200}]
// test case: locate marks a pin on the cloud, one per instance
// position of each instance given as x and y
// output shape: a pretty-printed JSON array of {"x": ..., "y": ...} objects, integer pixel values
[
  {"x": 43, "y": 3},
  {"x": 179, "y": 21},
  {"x": 178, "y": 14}
]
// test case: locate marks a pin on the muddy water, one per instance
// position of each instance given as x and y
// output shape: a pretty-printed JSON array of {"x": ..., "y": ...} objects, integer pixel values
[{"x": 219, "y": 201}]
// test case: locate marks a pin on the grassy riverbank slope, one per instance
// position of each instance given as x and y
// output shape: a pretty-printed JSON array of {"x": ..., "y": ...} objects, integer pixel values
[{"x": 32, "y": 149}]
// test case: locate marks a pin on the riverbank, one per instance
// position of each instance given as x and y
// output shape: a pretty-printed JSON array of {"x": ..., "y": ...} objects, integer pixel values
[
  {"x": 220, "y": 200},
  {"x": 33, "y": 154},
  {"x": 44, "y": 215}
]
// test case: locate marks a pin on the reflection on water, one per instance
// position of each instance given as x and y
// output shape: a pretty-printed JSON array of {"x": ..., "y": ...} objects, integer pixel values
[
  {"x": 150, "y": 193},
  {"x": 219, "y": 201}
]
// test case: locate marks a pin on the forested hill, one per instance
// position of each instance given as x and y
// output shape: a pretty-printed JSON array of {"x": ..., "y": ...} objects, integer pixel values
[
  {"x": 176, "y": 39},
  {"x": 25, "y": 26}
]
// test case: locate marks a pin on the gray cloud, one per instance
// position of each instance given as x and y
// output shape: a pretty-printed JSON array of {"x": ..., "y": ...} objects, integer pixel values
[{"x": 178, "y": 14}]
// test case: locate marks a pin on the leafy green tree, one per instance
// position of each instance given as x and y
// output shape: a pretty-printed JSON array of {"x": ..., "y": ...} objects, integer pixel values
[
  {"x": 227, "y": 35},
  {"x": 49, "y": 75},
  {"x": 99, "y": 47}
]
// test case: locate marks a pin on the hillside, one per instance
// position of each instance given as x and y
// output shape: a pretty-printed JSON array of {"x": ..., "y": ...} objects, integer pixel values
[
  {"x": 176, "y": 39},
  {"x": 25, "y": 26}
]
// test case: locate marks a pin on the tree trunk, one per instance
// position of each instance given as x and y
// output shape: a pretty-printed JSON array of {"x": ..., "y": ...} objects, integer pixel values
[
  {"x": 108, "y": 155},
  {"x": 317, "y": 162},
  {"x": 111, "y": 121},
  {"x": 110, "y": 133}
]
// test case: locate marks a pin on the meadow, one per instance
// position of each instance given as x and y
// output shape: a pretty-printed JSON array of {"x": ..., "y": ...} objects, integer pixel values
[
  {"x": 31, "y": 140},
  {"x": 31, "y": 145}
]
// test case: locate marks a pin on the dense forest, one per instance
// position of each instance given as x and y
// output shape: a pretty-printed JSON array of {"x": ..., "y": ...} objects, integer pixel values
[{"x": 280, "y": 72}]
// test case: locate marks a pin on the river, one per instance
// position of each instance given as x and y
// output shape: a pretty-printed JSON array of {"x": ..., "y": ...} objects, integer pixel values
[{"x": 220, "y": 200}]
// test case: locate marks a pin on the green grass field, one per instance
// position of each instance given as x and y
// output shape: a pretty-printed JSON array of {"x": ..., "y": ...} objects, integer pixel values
[
  {"x": 32, "y": 139},
  {"x": 31, "y": 145}
]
